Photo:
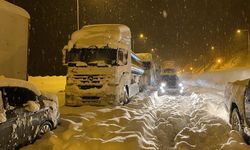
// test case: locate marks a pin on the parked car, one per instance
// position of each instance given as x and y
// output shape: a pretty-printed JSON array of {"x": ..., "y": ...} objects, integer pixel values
[
  {"x": 237, "y": 102},
  {"x": 25, "y": 113}
]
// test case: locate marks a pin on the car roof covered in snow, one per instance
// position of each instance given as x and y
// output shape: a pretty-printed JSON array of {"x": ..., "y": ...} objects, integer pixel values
[
  {"x": 9, "y": 7},
  {"x": 9, "y": 82},
  {"x": 101, "y": 35},
  {"x": 241, "y": 82}
]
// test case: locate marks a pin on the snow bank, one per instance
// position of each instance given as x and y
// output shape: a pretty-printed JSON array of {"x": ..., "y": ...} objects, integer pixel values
[
  {"x": 53, "y": 84},
  {"x": 217, "y": 79}
]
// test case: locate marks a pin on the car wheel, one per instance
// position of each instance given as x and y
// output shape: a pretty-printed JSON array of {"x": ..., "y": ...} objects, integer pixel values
[
  {"x": 44, "y": 128},
  {"x": 235, "y": 121}
]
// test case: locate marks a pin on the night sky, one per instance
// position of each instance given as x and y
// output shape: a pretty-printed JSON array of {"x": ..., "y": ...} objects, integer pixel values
[{"x": 183, "y": 30}]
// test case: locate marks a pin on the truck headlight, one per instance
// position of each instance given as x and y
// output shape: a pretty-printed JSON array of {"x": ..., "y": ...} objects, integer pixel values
[
  {"x": 163, "y": 84},
  {"x": 180, "y": 85}
]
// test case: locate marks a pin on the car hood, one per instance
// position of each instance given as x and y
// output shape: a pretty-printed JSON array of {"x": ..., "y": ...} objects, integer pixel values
[{"x": 50, "y": 96}]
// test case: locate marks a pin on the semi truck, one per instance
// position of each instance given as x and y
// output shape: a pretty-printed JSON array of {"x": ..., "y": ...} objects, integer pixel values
[
  {"x": 14, "y": 33},
  {"x": 101, "y": 67},
  {"x": 149, "y": 77}
]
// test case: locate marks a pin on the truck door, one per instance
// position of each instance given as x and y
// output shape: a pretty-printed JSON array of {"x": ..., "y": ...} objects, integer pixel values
[{"x": 247, "y": 104}]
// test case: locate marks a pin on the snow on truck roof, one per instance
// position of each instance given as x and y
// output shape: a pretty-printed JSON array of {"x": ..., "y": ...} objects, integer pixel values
[
  {"x": 100, "y": 35},
  {"x": 9, "y": 82},
  {"x": 4, "y": 5}
]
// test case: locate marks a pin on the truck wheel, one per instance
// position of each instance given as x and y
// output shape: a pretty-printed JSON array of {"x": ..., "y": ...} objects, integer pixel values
[
  {"x": 235, "y": 121},
  {"x": 44, "y": 128}
]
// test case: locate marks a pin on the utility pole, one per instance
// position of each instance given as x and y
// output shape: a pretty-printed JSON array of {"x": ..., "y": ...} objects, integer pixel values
[{"x": 77, "y": 15}]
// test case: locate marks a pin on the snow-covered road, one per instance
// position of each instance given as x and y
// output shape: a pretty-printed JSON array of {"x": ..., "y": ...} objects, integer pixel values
[{"x": 195, "y": 120}]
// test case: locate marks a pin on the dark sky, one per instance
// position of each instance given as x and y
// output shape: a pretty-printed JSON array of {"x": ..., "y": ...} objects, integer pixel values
[{"x": 179, "y": 29}]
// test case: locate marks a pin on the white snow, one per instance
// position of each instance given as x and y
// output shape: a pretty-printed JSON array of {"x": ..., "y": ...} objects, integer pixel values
[
  {"x": 100, "y": 35},
  {"x": 32, "y": 106},
  {"x": 5, "y": 82},
  {"x": 196, "y": 120}
]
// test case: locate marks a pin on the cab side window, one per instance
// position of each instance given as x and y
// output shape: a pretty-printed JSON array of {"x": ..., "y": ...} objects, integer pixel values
[{"x": 122, "y": 57}]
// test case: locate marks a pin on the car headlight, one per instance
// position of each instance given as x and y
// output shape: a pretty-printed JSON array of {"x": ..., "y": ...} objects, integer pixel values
[{"x": 163, "y": 84}]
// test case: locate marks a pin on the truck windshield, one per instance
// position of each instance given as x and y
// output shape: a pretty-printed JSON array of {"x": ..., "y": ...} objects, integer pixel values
[
  {"x": 169, "y": 70},
  {"x": 92, "y": 56}
]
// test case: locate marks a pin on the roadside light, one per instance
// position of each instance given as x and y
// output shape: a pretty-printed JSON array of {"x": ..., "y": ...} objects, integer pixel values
[
  {"x": 141, "y": 35},
  {"x": 191, "y": 68},
  {"x": 238, "y": 31},
  {"x": 219, "y": 61}
]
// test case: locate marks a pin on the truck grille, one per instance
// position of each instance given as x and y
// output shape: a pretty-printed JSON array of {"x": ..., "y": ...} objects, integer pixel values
[
  {"x": 90, "y": 98},
  {"x": 90, "y": 79},
  {"x": 86, "y": 87}
]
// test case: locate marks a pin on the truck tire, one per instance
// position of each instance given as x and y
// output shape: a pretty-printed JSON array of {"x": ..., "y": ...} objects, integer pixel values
[{"x": 236, "y": 121}]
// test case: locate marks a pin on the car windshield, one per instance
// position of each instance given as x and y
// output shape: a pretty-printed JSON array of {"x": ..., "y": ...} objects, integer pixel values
[{"x": 93, "y": 56}]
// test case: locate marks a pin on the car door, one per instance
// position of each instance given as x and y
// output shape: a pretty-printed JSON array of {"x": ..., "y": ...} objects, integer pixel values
[
  {"x": 20, "y": 119},
  {"x": 247, "y": 104},
  {"x": 33, "y": 118},
  {"x": 9, "y": 137}
]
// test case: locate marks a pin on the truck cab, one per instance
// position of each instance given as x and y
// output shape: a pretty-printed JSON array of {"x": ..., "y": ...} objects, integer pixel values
[
  {"x": 170, "y": 82},
  {"x": 99, "y": 66}
]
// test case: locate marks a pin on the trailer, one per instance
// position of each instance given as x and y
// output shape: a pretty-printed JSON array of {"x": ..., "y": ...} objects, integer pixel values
[{"x": 14, "y": 34}]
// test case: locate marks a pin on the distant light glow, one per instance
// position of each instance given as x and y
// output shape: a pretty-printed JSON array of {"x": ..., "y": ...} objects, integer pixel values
[
  {"x": 219, "y": 61},
  {"x": 141, "y": 35}
]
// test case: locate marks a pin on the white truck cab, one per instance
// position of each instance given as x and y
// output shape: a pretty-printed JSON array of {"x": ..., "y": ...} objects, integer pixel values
[{"x": 99, "y": 66}]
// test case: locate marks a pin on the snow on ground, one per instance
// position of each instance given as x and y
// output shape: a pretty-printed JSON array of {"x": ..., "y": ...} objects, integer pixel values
[{"x": 195, "y": 120}]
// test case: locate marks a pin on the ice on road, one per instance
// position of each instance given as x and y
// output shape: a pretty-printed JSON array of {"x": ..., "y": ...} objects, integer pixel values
[{"x": 195, "y": 120}]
